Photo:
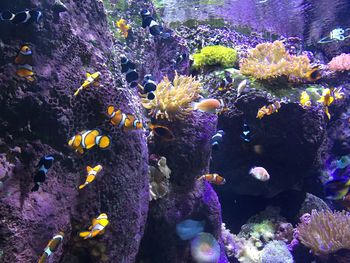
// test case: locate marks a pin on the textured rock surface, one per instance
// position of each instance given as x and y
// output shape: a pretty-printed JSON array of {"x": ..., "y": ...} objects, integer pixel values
[{"x": 38, "y": 118}]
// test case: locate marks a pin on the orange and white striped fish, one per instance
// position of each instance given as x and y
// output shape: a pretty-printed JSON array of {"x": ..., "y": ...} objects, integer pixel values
[
  {"x": 51, "y": 247},
  {"x": 268, "y": 110},
  {"x": 88, "y": 139},
  {"x": 213, "y": 178},
  {"x": 125, "y": 121},
  {"x": 92, "y": 172}
]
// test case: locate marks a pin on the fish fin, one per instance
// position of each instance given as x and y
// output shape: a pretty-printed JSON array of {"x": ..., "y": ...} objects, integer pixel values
[
  {"x": 96, "y": 84},
  {"x": 110, "y": 110},
  {"x": 77, "y": 91},
  {"x": 88, "y": 74},
  {"x": 95, "y": 233},
  {"x": 327, "y": 113},
  {"x": 82, "y": 186},
  {"x": 80, "y": 150},
  {"x": 84, "y": 234},
  {"x": 104, "y": 142},
  {"x": 88, "y": 168},
  {"x": 35, "y": 188}
]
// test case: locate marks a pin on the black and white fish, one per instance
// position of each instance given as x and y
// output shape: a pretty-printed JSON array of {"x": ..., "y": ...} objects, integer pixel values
[
  {"x": 129, "y": 69},
  {"x": 154, "y": 28},
  {"x": 44, "y": 165},
  {"x": 246, "y": 133},
  {"x": 24, "y": 17},
  {"x": 217, "y": 139},
  {"x": 149, "y": 86}
]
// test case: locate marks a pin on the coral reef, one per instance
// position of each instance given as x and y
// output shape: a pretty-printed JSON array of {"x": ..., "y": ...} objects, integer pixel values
[
  {"x": 276, "y": 252},
  {"x": 271, "y": 60},
  {"x": 215, "y": 56},
  {"x": 173, "y": 99},
  {"x": 340, "y": 63},
  {"x": 325, "y": 232}
]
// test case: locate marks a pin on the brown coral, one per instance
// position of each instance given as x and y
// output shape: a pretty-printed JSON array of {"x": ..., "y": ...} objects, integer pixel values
[
  {"x": 326, "y": 232},
  {"x": 173, "y": 99},
  {"x": 271, "y": 60}
]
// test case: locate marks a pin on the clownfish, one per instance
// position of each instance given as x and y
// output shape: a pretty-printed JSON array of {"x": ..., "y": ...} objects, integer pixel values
[
  {"x": 123, "y": 27},
  {"x": 91, "y": 79},
  {"x": 259, "y": 173},
  {"x": 162, "y": 132},
  {"x": 24, "y": 56},
  {"x": 213, "y": 178},
  {"x": 154, "y": 28},
  {"x": 149, "y": 86},
  {"x": 313, "y": 74},
  {"x": 305, "y": 100},
  {"x": 92, "y": 172},
  {"x": 24, "y": 17},
  {"x": 268, "y": 110},
  {"x": 125, "y": 121},
  {"x": 97, "y": 227},
  {"x": 209, "y": 105},
  {"x": 337, "y": 189},
  {"x": 51, "y": 247},
  {"x": 88, "y": 139},
  {"x": 180, "y": 58},
  {"x": 25, "y": 71},
  {"x": 44, "y": 165},
  {"x": 129, "y": 69}
]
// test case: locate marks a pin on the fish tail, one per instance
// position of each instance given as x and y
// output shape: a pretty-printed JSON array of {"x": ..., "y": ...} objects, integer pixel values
[
  {"x": 35, "y": 188},
  {"x": 85, "y": 234},
  {"x": 104, "y": 141},
  {"x": 43, "y": 258},
  {"x": 82, "y": 186},
  {"x": 327, "y": 113},
  {"x": 78, "y": 90}
]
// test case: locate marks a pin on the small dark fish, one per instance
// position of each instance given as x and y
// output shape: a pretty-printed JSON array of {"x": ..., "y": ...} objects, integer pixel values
[
  {"x": 149, "y": 86},
  {"x": 337, "y": 189},
  {"x": 24, "y": 17},
  {"x": 179, "y": 59},
  {"x": 44, "y": 165},
  {"x": 217, "y": 139},
  {"x": 162, "y": 132},
  {"x": 154, "y": 28},
  {"x": 314, "y": 74},
  {"x": 246, "y": 133},
  {"x": 129, "y": 69}
]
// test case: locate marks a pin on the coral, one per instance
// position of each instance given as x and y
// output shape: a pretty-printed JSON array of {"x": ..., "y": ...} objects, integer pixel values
[
  {"x": 340, "y": 63},
  {"x": 271, "y": 60},
  {"x": 173, "y": 99},
  {"x": 205, "y": 248},
  {"x": 159, "y": 179},
  {"x": 276, "y": 252},
  {"x": 325, "y": 232},
  {"x": 215, "y": 55}
]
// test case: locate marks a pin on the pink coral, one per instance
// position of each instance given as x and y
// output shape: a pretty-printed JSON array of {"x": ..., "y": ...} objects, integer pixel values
[{"x": 340, "y": 63}]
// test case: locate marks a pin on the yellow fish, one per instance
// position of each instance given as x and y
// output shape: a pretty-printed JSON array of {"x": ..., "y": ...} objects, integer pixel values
[
  {"x": 305, "y": 100},
  {"x": 97, "y": 227},
  {"x": 91, "y": 79},
  {"x": 326, "y": 99},
  {"x": 92, "y": 172},
  {"x": 88, "y": 139},
  {"x": 123, "y": 27}
]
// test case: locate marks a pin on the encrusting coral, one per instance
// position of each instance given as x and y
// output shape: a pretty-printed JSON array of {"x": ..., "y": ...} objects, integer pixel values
[
  {"x": 272, "y": 60},
  {"x": 215, "y": 55},
  {"x": 173, "y": 99},
  {"x": 326, "y": 232},
  {"x": 159, "y": 179},
  {"x": 340, "y": 63}
]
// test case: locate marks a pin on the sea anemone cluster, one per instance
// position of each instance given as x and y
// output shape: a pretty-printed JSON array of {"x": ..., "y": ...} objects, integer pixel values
[
  {"x": 272, "y": 60},
  {"x": 340, "y": 63},
  {"x": 215, "y": 56},
  {"x": 173, "y": 99},
  {"x": 326, "y": 232}
]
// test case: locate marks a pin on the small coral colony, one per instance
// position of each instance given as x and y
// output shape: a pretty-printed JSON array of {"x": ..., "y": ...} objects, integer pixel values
[{"x": 174, "y": 99}]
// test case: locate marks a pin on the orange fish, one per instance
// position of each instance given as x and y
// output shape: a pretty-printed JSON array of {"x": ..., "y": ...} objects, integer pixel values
[
  {"x": 92, "y": 172},
  {"x": 314, "y": 74},
  {"x": 162, "y": 132},
  {"x": 97, "y": 227},
  {"x": 125, "y": 121},
  {"x": 88, "y": 139},
  {"x": 51, "y": 247},
  {"x": 209, "y": 105},
  {"x": 25, "y": 56},
  {"x": 25, "y": 71},
  {"x": 213, "y": 178},
  {"x": 268, "y": 110}
]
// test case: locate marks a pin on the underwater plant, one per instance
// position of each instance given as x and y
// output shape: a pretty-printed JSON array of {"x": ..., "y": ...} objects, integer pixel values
[
  {"x": 205, "y": 248},
  {"x": 173, "y": 99},
  {"x": 276, "y": 252},
  {"x": 215, "y": 55},
  {"x": 326, "y": 232},
  {"x": 272, "y": 60},
  {"x": 340, "y": 63}
]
